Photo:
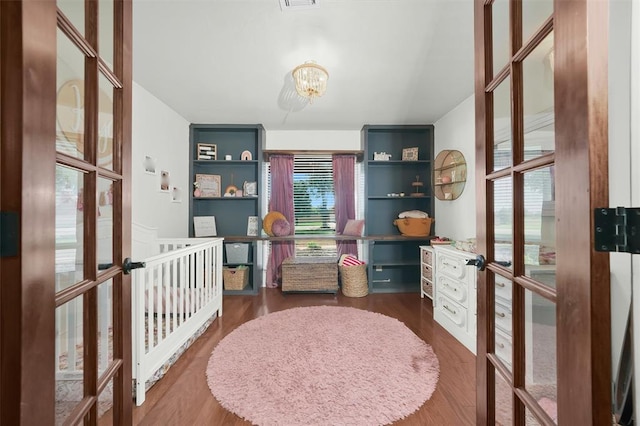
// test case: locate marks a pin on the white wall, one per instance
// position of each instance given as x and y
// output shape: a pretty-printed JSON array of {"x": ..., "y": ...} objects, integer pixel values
[
  {"x": 456, "y": 130},
  {"x": 161, "y": 133},
  {"x": 298, "y": 140}
]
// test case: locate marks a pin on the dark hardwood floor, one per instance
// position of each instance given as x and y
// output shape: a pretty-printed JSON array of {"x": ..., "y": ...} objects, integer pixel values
[{"x": 182, "y": 397}]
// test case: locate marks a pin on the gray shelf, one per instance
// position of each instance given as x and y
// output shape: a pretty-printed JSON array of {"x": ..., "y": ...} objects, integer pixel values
[
  {"x": 231, "y": 213},
  {"x": 397, "y": 255}
]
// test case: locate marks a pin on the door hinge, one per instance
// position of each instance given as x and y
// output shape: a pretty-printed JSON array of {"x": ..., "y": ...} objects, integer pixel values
[{"x": 617, "y": 229}]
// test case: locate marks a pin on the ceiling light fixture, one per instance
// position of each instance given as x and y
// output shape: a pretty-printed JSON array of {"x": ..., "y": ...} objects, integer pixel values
[{"x": 311, "y": 80}]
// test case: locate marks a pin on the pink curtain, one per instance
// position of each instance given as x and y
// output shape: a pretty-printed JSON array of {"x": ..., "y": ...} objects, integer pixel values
[
  {"x": 345, "y": 208},
  {"x": 281, "y": 201}
]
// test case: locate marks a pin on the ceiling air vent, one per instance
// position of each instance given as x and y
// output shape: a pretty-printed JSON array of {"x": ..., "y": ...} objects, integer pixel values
[{"x": 298, "y": 4}]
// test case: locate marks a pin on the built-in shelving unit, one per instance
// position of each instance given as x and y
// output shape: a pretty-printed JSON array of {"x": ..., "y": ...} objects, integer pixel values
[
  {"x": 231, "y": 213},
  {"x": 394, "y": 260}
]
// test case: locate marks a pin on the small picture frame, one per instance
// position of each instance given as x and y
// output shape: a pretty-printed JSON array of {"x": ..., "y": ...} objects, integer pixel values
[
  {"x": 176, "y": 194},
  {"x": 165, "y": 181},
  {"x": 149, "y": 165},
  {"x": 252, "y": 226},
  {"x": 207, "y": 151},
  {"x": 250, "y": 189},
  {"x": 209, "y": 185},
  {"x": 204, "y": 226},
  {"x": 410, "y": 154}
]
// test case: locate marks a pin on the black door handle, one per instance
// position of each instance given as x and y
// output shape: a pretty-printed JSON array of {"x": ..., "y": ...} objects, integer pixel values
[
  {"x": 480, "y": 262},
  {"x": 128, "y": 265},
  {"x": 104, "y": 266}
]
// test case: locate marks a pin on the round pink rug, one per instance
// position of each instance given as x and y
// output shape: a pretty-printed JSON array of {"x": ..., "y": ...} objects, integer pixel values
[{"x": 322, "y": 365}]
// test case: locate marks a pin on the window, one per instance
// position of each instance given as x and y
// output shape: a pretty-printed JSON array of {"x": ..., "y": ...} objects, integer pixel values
[{"x": 314, "y": 203}]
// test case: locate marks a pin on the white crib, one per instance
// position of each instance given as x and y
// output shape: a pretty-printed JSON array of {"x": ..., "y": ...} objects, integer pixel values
[
  {"x": 177, "y": 293},
  {"x": 174, "y": 298}
]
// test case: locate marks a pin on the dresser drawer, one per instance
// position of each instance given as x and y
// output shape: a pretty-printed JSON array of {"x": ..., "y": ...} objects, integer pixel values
[
  {"x": 503, "y": 289},
  {"x": 427, "y": 287},
  {"x": 452, "y": 266},
  {"x": 503, "y": 317},
  {"x": 427, "y": 256},
  {"x": 452, "y": 311},
  {"x": 503, "y": 348},
  {"x": 453, "y": 289},
  {"x": 427, "y": 272}
]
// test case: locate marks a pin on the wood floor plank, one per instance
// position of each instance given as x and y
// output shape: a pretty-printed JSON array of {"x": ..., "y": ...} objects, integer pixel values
[{"x": 182, "y": 396}]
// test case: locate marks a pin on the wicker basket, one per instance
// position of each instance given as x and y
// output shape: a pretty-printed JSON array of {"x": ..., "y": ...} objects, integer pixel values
[
  {"x": 413, "y": 227},
  {"x": 314, "y": 274},
  {"x": 354, "y": 280},
  {"x": 235, "y": 278}
]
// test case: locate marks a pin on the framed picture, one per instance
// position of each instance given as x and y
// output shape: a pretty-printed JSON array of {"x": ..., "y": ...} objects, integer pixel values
[
  {"x": 410, "y": 154},
  {"x": 207, "y": 151},
  {"x": 209, "y": 185},
  {"x": 250, "y": 189},
  {"x": 252, "y": 226},
  {"x": 165, "y": 181},
  {"x": 149, "y": 165},
  {"x": 204, "y": 226},
  {"x": 176, "y": 194}
]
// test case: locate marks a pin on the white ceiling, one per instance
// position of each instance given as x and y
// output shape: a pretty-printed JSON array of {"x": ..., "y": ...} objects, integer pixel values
[{"x": 230, "y": 61}]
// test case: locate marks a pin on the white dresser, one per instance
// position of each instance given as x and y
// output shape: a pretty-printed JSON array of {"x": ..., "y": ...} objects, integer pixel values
[
  {"x": 454, "y": 295},
  {"x": 426, "y": 271}
]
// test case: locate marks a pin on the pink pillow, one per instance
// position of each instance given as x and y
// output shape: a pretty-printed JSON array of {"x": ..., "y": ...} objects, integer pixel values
[
  {"x": 281, "y": 228},
  {"x": 354, "y": 228}
]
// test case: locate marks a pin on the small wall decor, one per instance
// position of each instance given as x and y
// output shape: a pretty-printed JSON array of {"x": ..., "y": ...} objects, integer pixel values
[
  {"x": 149, "y": 165},
  {"x": 176, "y": 194},
  {"x": 410, "y": 154},
  {"x": 252, "y": 226},
  {"x": 209, "y": 185},
  {"x": 207, "y": 151},
  {"x": 250, "y": 189},
  {"x": 165, "y": 181},
  {"x": 246, "y": 156},
  {"x": 381, "y": 156},
  {"x": 230, "y": 191},
  {"x": 449, "y": 175}
]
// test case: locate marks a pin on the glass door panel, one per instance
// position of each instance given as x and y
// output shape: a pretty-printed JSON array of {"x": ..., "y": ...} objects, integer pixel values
[
  {"x": 504, "y": 401},
  {"x": 540, "y": 225},
  {"x": 69, "y": 361},
  {"x": 69, "y": 227},
  {"x": 105, "y": 31},
  {"x": 538, "y": 104},
  {"x": 502, "y": 136},
  {"x": 503, "y": 220},
  {"x": 534, "y": 13},
  {"x": 105, "y": 223},
  {"x": 105, "y": 123},
  {"x": 105, "y": 326},
  {"x": 503, "y": 320},
  {"x": 70, "y": 113},
  {"x": 500, "y": 32},
  {"x": 541, "y": 378},
  {"x": 74, "y": 11}
]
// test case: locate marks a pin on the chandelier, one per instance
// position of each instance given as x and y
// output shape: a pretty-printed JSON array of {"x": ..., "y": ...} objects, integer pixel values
[{"x": 311, "y": 80}]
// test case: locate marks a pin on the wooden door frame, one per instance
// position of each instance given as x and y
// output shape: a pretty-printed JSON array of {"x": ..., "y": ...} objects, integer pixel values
[
  {"x": 581, "y": 157},
  {"x": 27, "y": 291}
]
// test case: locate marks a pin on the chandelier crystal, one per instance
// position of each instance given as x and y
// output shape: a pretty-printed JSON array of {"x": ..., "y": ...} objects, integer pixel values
[{"x": 311, "y": 80}]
